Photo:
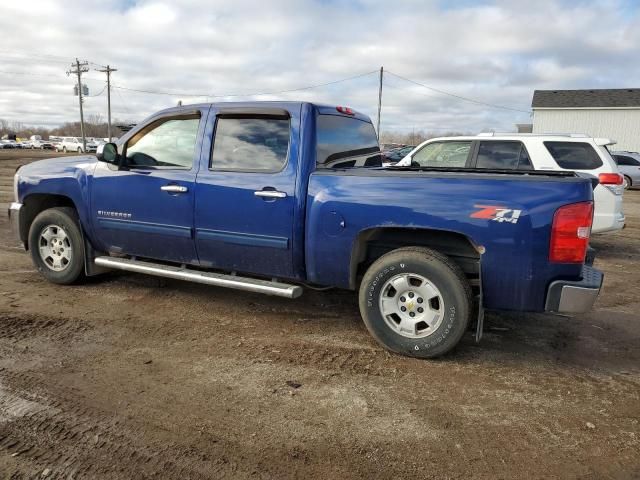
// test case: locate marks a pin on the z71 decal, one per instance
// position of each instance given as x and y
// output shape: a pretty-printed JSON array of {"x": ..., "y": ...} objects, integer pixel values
[{"x": 497, "y": 213}]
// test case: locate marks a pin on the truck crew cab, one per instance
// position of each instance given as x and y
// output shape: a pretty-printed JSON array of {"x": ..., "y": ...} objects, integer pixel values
[{"x": 270, "y": 196}]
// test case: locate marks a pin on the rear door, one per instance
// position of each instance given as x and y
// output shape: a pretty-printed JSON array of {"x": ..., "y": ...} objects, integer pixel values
[
  {"x": 501, "y": 154},
  {"x": 245, "y": 197}
]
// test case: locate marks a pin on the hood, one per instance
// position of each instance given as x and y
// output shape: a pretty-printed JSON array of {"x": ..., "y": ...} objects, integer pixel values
[{"x": 59, "y": 166}]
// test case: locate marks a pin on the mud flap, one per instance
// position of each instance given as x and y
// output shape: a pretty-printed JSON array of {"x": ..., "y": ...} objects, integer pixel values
[
  {"x": 480, "y": 321},
  {"x": 90, "y": 268}
]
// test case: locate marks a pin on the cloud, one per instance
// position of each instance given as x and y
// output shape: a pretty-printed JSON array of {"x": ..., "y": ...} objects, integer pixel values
[{"x": 497, "y": 52}]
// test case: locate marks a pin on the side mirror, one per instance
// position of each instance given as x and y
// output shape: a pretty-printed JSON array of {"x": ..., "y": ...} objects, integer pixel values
[{"x": 107, "y": 153}]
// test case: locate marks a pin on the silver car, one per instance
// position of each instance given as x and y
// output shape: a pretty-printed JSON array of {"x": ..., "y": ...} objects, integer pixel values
[{"x": 629, "y": 166}]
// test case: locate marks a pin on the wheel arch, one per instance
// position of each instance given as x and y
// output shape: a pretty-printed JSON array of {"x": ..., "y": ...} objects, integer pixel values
[
  {"x": 36, "y": 203},
  {"x": 372, "y": 243}
]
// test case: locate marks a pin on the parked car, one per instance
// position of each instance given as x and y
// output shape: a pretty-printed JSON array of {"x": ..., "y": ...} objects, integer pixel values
[
  {"x": 523, "y": 152},
  {"x": 70, "y": 144},
  {"x": 259, "y": 196},
  {"x": 393, "y": 156},
  {"x": 629, "y": 166},
  {"x": 8, "y": 144},
  {"x": 43, "y": 145}
]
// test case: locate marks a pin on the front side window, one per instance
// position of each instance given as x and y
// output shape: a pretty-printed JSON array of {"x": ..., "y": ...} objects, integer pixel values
[
  {"x": 166, "y": 143},
  {"x": 626, "y": 161},
  {"x": 251, "y": 144},
  {"x": 574, "y": 155},
  {"x": 503, "y": 155},
  {"x": 443, "y": 154}
]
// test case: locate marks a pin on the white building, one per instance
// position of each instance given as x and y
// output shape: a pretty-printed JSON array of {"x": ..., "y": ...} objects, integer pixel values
[{"x": 608, "y": 113}]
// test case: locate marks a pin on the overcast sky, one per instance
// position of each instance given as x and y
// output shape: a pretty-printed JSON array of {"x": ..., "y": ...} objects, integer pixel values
[{"x": 492, "y": 52}]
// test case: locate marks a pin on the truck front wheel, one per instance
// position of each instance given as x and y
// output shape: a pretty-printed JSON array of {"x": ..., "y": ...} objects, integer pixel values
[
  {"x": 56, "y": 245},
  {"x": 416, "y": 302}
]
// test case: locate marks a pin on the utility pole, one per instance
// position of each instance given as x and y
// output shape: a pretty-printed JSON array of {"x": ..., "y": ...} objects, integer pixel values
[
  {"x": 108, "y": 71},
  {"x": 380, "y": 100},
  {"x": 79, "y": 68}
]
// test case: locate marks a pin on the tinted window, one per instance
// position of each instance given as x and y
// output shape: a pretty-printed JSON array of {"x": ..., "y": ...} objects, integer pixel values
[
  {"x": 443, "y": 154},
  {"x": 626, "y": 161},
  {"x": 246, "y": 143},
  {"x": 574, "y": 155},
  {"x": 505, "y": 155},
  {"x": 345, "y": 142},
  {"x": 167, "y": 143}
]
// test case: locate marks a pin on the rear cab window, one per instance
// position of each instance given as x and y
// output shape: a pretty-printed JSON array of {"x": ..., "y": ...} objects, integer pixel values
[
  {"x": 574, "y": 155},
  {"x": 343, "y": 142}
]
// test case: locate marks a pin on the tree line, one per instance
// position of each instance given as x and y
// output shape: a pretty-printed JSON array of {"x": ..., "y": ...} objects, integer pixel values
[{"x": 94, "y": 126}]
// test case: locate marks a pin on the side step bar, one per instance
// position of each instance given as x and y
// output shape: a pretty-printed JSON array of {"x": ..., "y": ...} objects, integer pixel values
[{"x": 209, "y": 278}]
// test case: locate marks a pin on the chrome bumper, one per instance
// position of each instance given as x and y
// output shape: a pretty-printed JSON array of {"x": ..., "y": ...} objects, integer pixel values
[
  {"x": 14, "y": 220},
  {"x": 564, "y": 296}
]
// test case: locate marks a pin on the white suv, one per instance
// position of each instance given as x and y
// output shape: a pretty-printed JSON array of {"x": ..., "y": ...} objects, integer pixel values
[
  {"x": 509, "y": 151},
  {"x": 70, "y": 144}
]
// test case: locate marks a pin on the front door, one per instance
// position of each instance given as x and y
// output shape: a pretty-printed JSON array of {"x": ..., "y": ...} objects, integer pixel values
[
  {"x": 245, "y": 199},
  {"x": 145, "y": 207}
]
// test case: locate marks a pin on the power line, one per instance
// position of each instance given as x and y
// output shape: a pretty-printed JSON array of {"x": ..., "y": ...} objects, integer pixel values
[
  {"x": 309, "y": 87},
  {"x": 460, "y": 97},
  {"x": 31, "y": 74}
]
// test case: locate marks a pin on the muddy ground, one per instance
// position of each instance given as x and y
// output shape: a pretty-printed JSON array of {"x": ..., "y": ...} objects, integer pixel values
[{"x": 131, "y": 377}]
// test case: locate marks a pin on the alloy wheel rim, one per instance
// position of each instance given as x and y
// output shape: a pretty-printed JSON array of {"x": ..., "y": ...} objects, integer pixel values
[
  {"x": 55, "y": 248},
  {"x": 411, "y": 305}
]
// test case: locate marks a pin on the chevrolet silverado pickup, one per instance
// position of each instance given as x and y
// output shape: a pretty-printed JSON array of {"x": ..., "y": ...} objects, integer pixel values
[{"x": 271, "y": 197}]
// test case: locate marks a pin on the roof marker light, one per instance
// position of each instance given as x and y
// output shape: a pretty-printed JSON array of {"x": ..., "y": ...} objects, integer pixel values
[{"x": 345, "y": 110}]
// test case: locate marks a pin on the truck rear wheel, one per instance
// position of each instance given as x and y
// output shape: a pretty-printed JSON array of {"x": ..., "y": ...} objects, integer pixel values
[
  {"x": 56, "y": 245},
  {"x": 416, "y": 302}
]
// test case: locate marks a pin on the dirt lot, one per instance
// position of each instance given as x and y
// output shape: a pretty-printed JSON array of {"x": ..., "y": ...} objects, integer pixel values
[{"x": 134, "y": 377}]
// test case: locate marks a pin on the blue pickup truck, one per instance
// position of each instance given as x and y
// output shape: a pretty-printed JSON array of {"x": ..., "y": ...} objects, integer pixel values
[{"x": 271, "y": 197}]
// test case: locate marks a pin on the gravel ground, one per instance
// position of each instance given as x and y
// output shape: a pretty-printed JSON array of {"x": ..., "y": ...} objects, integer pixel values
[{"x": 130, "y": 376}]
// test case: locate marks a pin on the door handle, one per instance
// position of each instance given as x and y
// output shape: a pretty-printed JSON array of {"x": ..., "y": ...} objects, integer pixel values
[
  {"x": 174, "y": 189},
  {"x": 270, "y": 194}
]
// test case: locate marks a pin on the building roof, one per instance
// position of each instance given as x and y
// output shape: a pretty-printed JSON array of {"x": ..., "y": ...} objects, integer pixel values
[{"x": 601, "y": 98}]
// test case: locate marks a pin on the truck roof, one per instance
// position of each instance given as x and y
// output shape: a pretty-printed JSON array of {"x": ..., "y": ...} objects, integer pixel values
[{"x": 324, "y": 109}]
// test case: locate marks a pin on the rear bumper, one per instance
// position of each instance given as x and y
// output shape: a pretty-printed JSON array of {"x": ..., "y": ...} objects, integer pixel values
[
  {"x": 14, "y": 220},
  {"x": 565, "y": 296}
]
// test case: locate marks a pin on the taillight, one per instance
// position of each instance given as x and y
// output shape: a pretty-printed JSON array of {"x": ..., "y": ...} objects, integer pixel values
[
  {"x": 612, "y": 181},
  {"x": 345, "y": 110},
  {"x": 570, "y": 233}
]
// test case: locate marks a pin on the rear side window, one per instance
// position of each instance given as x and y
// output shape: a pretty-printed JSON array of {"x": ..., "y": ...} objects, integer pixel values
[
  {"x": 503, "y": 155},
  {"x": 443, "y": 154},
  {"x": 626, "y": 161},
  {"x": 258, "y": 144},
  {"x": 346, "y": 142},
  {"x": 574, "y": 155}
]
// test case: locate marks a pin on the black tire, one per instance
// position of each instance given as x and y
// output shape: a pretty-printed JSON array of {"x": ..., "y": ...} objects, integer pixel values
[
  {"x": 64, "y": 149},
  {"x": 79, "y": 150},
  {"x": 628, "y": 183},
  {"x": 67, "y": 219},
  {"x": 442, "y": 273}
]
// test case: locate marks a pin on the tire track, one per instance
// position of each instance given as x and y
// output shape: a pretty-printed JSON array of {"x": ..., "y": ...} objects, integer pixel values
[
  {"x": 59, "y": 433},
  {"x": 16, "y": 327}
]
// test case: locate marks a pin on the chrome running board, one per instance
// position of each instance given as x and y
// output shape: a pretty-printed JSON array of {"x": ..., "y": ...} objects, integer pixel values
[{"x": 208, "y": 278}]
